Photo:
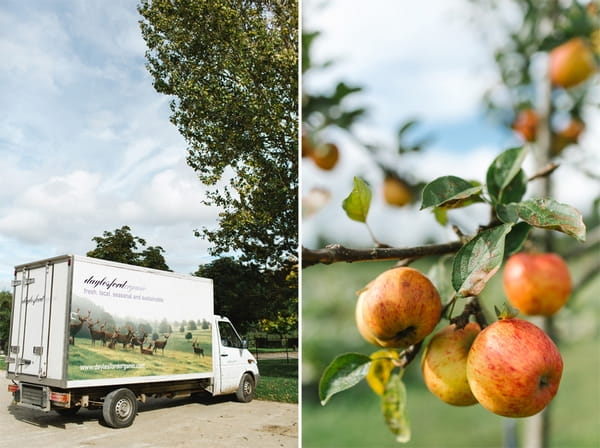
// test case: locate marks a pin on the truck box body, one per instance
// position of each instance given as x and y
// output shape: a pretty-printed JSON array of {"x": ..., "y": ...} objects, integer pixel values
[{"x": 81, "y": 323}]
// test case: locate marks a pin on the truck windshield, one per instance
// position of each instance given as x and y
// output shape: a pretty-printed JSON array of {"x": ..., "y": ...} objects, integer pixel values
[{"x": 229, "y": 337}]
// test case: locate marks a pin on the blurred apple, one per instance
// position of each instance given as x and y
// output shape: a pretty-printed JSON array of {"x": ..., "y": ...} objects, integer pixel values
[
  {"x": 571, "y": 63},
  {"x": 396, "y": 191},
  {"x": 325, "y": 155},
  {"x": 526, "y": 124}
]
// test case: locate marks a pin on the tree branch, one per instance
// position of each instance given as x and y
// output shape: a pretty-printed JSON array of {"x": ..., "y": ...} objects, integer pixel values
[{"x": 335, "y": 253}]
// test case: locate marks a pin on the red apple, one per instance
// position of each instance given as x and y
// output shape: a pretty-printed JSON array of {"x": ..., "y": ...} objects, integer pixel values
[
  {"x": 537, "y": 284},
  {"x": 444, "y": 364},
  {"x": 571, "y": 63},
  {"x": 526, "y": 124},
  {"x": 398, "y": 308},
  {"x": 514, "y": 368}
]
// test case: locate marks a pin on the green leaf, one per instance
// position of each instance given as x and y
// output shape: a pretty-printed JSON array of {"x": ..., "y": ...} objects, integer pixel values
[
  {"x": 515, "y": 190},
  {"x": 516, "y": 238},
  {"x": 394, "y": 409},
  {"x": 358, "y": 201},
  {"x": 441, "y": 215},
  {"x": 344, "y": 372},
  {"x": 449, "y": 192},
  {"x": 503, "y": 170},
  {"x": 478, "y": 260},
  {"x": 552, "y": 215},
  {"x": 440, "y": 275}
]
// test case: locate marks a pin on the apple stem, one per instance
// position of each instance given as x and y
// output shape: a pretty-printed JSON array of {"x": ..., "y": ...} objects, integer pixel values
[{"x": 472, "y": 308}]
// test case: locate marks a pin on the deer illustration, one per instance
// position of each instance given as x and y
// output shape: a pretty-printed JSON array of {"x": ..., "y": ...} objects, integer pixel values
[{"x": 74, "y": 327}]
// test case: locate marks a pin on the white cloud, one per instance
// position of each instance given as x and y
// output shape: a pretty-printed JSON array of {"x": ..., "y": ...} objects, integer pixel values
[{"x": 86, "y": 145}]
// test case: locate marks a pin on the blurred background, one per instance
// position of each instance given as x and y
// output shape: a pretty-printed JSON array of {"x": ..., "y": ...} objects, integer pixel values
[{"x": 398, "y": 94}]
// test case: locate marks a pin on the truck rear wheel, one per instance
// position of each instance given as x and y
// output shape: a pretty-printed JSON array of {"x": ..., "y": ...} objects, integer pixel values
[
  {"x": 245, "y": 392},
  {"x": 119, "y": 408}
]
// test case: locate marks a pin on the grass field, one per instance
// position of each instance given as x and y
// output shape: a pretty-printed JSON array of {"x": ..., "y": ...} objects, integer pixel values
[
  {"x": 353, "y": 418},
  {"x": 278, "y": 380}
]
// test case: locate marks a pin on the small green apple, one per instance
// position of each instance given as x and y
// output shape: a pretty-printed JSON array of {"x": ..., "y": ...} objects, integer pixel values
[{"x": 444, "y": 364}]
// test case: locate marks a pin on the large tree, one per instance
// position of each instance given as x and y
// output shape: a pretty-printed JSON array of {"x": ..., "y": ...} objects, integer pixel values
[
  {"x": 248, "y": 295},
  {"x": 5, "y": 310},
  {"x": 231, "y": 67},
  {"x": 121, "y": 246}
]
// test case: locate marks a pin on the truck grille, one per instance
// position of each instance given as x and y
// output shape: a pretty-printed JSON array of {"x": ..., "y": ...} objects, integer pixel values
[{"x": 34, "y": 395}]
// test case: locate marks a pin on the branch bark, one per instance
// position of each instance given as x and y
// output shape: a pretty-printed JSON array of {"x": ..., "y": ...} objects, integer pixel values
[{"x": 337, "y": 253}]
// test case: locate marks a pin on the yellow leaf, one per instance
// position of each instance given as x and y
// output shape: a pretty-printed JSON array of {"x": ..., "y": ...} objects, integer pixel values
[{"x": 381, "y": 368}]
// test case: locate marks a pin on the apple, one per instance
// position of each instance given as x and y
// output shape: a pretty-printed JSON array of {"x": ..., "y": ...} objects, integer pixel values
[
  {"x": 526, "y": 124},
  {"x": 325, "y": 156},
  {"x": 444, "y": 364},
  {"x": 399, "y": 308},
  {"x": 396, "y": 191},
  {"x": 571, "y": 63},
  {"x": 537, "y": 284},
  {"x": 514, "y": 368},
  {"x": 307, "y": 146}
]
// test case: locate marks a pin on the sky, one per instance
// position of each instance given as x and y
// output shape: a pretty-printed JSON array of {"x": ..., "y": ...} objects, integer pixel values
[
  {"x": 429, "y": 61},
  {"x": 86, "y": 145}
]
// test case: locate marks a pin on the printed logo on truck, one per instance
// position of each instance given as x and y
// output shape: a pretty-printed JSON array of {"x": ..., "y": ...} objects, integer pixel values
[{"x": 126, "y": 322}]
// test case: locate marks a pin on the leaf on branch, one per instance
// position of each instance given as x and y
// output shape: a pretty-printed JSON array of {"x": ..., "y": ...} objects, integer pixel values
[
  {"x": 505, "y": 178},
  {"x": 344, "y": 372},
  {"x": 552, "y": 215},
  {"x": 357, "y": 204},
  {"x": 450, "y": 192},
  {"x": 478, "y": 260},
  {"x": 516, "y": 238},
  {"x": 381, "y": 368},
  {"x": 394, "y": 409}
]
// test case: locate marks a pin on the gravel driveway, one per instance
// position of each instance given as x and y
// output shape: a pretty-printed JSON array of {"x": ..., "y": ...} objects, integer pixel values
[{"x": 207, "y": 421}]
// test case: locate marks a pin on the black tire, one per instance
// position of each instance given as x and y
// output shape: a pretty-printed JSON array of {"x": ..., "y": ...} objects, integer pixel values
[
  {"x": 245, "y": 392},
  {"x": 68, "y": 412},
  {"x": 119, "y": 408}
]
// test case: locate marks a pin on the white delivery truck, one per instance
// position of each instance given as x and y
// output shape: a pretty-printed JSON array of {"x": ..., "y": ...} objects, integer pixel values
[{"x": 92, "y": 333}]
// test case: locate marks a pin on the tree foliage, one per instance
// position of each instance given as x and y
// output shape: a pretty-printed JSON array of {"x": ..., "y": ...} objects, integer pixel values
[
  {"x": 5, "y": 310},
  {"x": 121, "y": 246},
  {"x": 231, "y": 68},
  {"x": 248, "y": 295}
]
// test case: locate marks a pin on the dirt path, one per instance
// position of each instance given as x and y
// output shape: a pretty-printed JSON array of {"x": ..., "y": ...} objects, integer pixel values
[{"x": 208, "y": 421}]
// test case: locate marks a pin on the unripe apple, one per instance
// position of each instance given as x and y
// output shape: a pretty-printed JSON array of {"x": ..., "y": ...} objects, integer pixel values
[
  {"x": 444, "y": 364},
  {"x": 396, "y": 191},
  {"x": 514, "y": 368},
  {"x": 526, "y": 124},
  {"x": 537, "y": 284},
  {"x": 399, "y": 308},
  {"x": 325, "y": 156},
  {"x": 571, "y": 63}
]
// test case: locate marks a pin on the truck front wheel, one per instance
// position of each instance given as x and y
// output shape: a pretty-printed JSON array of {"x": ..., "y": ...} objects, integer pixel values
[
  {"x": 119, "y": 408},
  {"x": 245, "y": 392}
]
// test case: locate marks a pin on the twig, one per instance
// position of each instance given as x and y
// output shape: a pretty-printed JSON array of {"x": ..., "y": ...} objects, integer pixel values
[
  {"x": 337, "y": 253},
  {"x": 409, "y": 354},
  {"x": 545, "y": 171}
]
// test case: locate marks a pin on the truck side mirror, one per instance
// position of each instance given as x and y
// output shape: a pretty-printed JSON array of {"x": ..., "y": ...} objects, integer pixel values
[{"x": 244, "y": 343}]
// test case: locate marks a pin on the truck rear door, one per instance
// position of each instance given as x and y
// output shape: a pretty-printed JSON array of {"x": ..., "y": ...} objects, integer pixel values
[{"x": 30, "y": 325}]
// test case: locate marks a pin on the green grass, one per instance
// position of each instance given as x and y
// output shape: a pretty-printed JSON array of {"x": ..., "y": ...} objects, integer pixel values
[
  {"x": 278, "y": 380},
  {"x": 353, "y": 418}
]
